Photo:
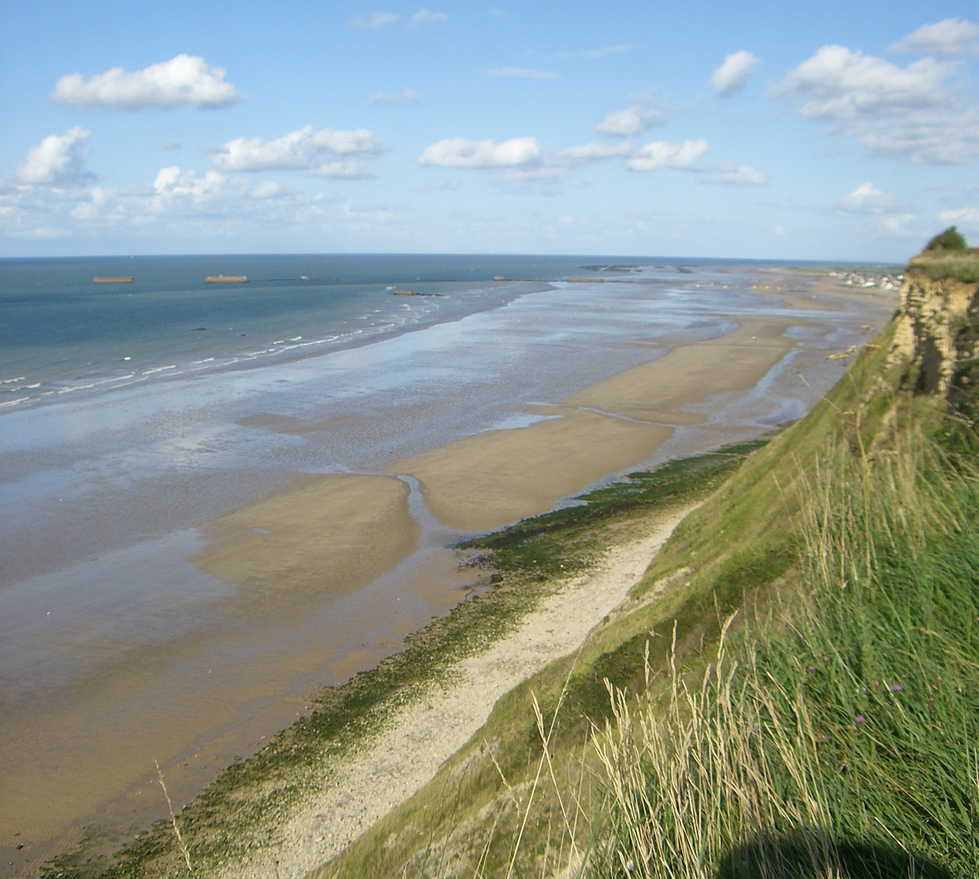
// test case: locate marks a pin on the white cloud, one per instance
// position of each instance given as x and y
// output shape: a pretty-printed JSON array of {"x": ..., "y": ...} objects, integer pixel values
[
  {"x": 590, "y": 151},
  {"x": 305, "y": 149},
  {"x": 663, "y": 154},
  {"x": 904, "y": 113},
  {"x": 950, "y": 36},
  {"x": 733, "y": 73},
  {"x": 375, "y": 20},
  {"x": 184, "y": 79},
  {"x": 735, "y": 174},
  {"x": 839, "y": 83},
  {"x": 866, "y": 199},
  {"x": 458, "y": 152},
  {"x": 58, "y": 159},
  {"x": 344, "y": 169},
  {"x": 406, "y": 96},
  {"x": 630, "y": 120},
  {"x": 423, "y": 16},
  {"x": 960, "y": 215},
  {"x": 174, "y": 182},
  {"x": 522, "y": 73}
]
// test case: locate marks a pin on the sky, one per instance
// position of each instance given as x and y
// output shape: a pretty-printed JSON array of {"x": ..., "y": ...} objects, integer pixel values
[{"x": 831, "y": 131}]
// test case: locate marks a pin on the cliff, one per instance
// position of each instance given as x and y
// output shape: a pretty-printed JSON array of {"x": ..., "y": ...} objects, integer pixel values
[{"x": 936, "y": 332}]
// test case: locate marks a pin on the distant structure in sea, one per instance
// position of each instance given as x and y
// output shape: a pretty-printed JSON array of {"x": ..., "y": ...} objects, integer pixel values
[
  {"x": 112, "y": 279},
  {"x": 226, "y": 279}
]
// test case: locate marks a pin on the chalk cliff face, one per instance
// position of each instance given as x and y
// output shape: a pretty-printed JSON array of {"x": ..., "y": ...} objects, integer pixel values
[{"x": 937, "y": 336}]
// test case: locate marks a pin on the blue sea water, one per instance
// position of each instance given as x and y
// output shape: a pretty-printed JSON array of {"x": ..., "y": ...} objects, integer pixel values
[{"x": 61, "y": 333}]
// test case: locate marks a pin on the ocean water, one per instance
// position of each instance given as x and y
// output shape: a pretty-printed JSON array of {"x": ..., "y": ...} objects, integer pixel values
[{"x": 62, "y": 334}]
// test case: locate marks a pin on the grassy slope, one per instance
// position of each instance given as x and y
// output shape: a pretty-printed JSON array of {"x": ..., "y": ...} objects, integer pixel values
[{"x": 741, "y": 551}]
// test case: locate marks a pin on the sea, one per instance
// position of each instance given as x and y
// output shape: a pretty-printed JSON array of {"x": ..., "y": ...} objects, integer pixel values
[{"x": 132, "y": 413}]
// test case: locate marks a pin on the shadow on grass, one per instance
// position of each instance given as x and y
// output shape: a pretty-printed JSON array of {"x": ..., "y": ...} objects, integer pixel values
[{"x": 813, "y": 854}]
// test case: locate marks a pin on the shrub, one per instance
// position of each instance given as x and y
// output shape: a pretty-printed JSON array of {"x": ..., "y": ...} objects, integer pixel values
[{"x": 950, "y": 239}]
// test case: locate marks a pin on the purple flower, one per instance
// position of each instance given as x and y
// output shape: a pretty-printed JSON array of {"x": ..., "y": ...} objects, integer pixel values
[
  {"x": 895, "y": 688},
  {"x": 859, "y": 719},
  {"x": 810, "y": 668}
]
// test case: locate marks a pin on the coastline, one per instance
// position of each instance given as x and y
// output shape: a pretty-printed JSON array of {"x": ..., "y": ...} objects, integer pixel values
[{"x": 602, "y": 430}]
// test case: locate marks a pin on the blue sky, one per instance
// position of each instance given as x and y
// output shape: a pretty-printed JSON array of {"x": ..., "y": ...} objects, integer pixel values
[{"x": 843, "y": 131}]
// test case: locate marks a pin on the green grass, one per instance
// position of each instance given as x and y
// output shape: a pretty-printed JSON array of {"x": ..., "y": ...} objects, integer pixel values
[
  {"x": 840, "y": 737},
  {"x": 947, "y": 265}
]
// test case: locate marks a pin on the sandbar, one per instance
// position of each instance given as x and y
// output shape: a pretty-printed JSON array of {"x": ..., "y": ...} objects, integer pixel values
[{"x": 492, "y": 479}]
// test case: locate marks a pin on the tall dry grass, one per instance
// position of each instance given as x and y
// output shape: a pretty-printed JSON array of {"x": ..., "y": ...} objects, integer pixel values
[{"x": 841, "y": 737}]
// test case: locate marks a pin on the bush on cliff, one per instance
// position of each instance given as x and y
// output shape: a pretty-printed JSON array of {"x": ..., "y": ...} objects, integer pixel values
[{"x": 950, "y": 239}]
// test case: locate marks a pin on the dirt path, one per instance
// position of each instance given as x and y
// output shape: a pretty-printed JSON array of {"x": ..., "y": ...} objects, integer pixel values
[{"x": 433, "y": 727}]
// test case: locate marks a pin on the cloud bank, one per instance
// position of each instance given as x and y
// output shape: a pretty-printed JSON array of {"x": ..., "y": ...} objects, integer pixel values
[
  {"x": 906, "y": 113},
  {"x": 950, "y": 36},
  {"x": 184, "y": 79}
]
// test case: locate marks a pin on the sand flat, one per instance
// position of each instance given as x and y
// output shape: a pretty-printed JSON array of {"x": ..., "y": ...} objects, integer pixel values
[
  {"x": 331, "y": 534},
  {"x": 491, "y": 479}
]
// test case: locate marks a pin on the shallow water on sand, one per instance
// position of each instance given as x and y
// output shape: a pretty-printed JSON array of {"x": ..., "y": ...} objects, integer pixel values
[{"x": 115, "y": 650}]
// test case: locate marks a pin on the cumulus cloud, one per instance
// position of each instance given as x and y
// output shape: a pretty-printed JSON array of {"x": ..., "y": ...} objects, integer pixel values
[
  {"x": 304, "y": 150},
  {"x": 375, "y": 20},
  {"x": 839, "y": 83},
  {"x": 907, "y": 113},
  {"x": 405, "y": 96},
  {"x": 950, "y": 36},
  {"x": 733, "y": 73},
  {"x": 426, "y": 16},
  {"x": 184, "y": 79},
  {"x": 630, "y": 120},
  {"x": 866, "y": 199},
  {"x": 663, "y": 154},
  {"x": 458, "y": 152},
  {"x": 59, "y": 159},
  {"x": 737, "y": 175},
  {"x": 174, "y": 181},
  {"x": 522, "y": 73}
]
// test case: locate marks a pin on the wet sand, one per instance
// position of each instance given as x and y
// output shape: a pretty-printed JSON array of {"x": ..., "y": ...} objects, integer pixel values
[
  {"x": 332, "y": 535},
  {"x": 489, "y": 480},
  {"x": 330, "y": 556}
]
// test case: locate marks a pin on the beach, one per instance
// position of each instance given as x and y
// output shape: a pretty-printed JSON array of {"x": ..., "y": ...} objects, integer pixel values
[{"x": 208, "y": 601}]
